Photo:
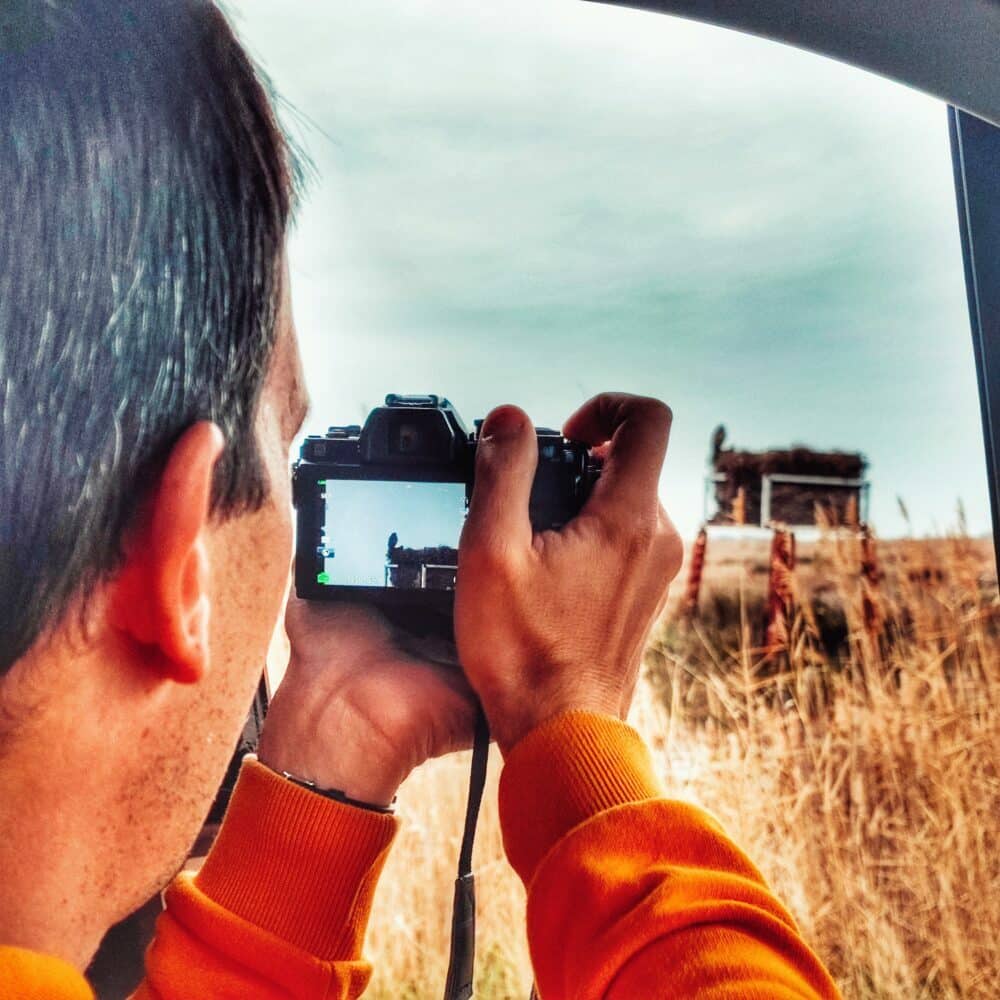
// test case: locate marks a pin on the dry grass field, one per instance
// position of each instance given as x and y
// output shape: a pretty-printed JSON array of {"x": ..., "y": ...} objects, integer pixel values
[{"x": 860, "y": 771}]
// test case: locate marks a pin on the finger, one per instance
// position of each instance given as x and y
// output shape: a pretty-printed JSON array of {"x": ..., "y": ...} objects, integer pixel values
[
  {"x": 506, "y": 459},
  {"x": 600, "y": 451},
  {"x": 636, "y": 430}
]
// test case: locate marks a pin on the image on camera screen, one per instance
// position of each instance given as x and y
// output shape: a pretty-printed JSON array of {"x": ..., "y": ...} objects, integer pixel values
[{"x": 397, "y": 535}]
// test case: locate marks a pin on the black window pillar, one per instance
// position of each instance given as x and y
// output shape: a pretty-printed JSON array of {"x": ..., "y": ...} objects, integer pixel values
[{"x": 976, "y": 152}]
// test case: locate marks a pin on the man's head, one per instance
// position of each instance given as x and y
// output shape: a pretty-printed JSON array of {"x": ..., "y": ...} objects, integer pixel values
[
  {"x": 145, "y": 197},
  {"x": 146, "y": 192}
]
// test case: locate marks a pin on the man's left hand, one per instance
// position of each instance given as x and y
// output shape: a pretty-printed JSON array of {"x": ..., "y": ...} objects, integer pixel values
[{"x": 356, "y": 710}]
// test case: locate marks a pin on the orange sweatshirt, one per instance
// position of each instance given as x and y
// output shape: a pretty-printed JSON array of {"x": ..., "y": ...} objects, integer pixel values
[{"x": 629, "y": 895}]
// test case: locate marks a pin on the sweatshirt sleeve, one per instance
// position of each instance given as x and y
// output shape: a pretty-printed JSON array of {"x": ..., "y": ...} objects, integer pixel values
[
  {"x": 280, "y": 907},
  {"x": 29, "y": 975},
  {"x": 633, "y": 895}
]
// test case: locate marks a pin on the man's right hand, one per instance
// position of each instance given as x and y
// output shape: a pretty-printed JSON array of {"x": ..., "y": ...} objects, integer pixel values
[{"x": 555, "y": 621}]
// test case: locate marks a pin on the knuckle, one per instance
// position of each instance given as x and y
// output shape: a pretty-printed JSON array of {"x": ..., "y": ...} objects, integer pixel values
[
  {"x": 669, "y": 551},
  {"x": 656, "y": 411},
  {"x": 635, "y": 539},
  {"x": 493, "y": 559}
]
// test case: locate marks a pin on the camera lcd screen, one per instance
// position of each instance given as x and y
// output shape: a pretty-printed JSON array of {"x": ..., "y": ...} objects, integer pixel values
[{"x": 396, "y": 535}]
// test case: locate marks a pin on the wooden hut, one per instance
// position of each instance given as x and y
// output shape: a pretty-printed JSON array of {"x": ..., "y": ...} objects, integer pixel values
[
  {"x": 786, "y": 486},
  {"x": 431, "y": 568}
]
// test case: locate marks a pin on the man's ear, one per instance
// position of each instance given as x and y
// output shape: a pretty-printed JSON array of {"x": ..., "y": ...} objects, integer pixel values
[{"x": 159, "y": 600}]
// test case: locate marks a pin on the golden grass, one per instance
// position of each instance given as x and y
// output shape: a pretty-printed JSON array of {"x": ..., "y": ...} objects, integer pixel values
[{"x": 861, "y": 776}]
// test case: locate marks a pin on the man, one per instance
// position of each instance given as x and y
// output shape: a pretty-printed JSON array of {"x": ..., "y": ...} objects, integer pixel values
[{"x": 151, "y": 390}]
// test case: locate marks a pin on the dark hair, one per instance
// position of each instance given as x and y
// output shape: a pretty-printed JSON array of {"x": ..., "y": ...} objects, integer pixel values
[{"x": 145, "y": 192}]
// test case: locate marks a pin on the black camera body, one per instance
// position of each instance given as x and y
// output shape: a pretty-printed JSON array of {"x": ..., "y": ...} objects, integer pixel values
[{"x": 380, "y": 508}]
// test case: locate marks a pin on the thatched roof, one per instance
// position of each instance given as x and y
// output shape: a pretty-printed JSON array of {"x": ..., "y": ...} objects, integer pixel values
[
  {"x": 437, "y": 555},
  {"x": 797, "y": 460}
]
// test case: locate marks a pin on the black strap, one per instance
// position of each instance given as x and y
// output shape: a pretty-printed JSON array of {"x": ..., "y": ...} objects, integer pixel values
[
  {"x": 477, "y": 781},
  {"x": 461, "y": 962}
]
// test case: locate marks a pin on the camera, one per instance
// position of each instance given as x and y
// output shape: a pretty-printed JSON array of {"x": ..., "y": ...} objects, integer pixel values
[{"x": 380, "y": 508}]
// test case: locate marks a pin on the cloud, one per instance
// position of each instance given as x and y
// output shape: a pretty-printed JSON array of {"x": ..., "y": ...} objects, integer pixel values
[{"x": 536, "y": 202}]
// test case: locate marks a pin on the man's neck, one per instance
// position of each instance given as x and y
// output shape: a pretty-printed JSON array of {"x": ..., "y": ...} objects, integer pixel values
[
  {"x": 105, "y": 779},
  {"x": 50, "y": 866},
  {"x": 63, "y": 792}
]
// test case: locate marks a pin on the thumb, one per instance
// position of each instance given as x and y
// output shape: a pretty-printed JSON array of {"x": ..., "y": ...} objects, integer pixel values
[{"x": 506, "y": 459}]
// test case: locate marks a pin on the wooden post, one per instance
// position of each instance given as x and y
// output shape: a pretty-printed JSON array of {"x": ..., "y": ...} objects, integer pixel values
[
  {"x": 739, "y": 514},
  {"x": 851, "y": 513},
  {"x": 695, "y": 573},
  {"x": 780, "y": 591},
  {"x": 871, "y": 579}
]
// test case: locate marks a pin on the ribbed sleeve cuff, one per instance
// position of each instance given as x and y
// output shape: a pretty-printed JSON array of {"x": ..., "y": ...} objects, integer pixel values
[
  {"x": 569, "y": 769},
  {"x": 296, "y": 864},
  {"x": 32, "y": 976}
]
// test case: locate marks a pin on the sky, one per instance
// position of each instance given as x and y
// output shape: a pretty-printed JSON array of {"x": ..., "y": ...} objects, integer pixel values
[
  {"x": 533, "y": 202},
  {"x": 361, "y": 516}
]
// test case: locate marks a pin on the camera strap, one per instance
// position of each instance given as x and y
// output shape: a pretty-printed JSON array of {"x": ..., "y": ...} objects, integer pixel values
[{"x": 462, "y": 960}]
